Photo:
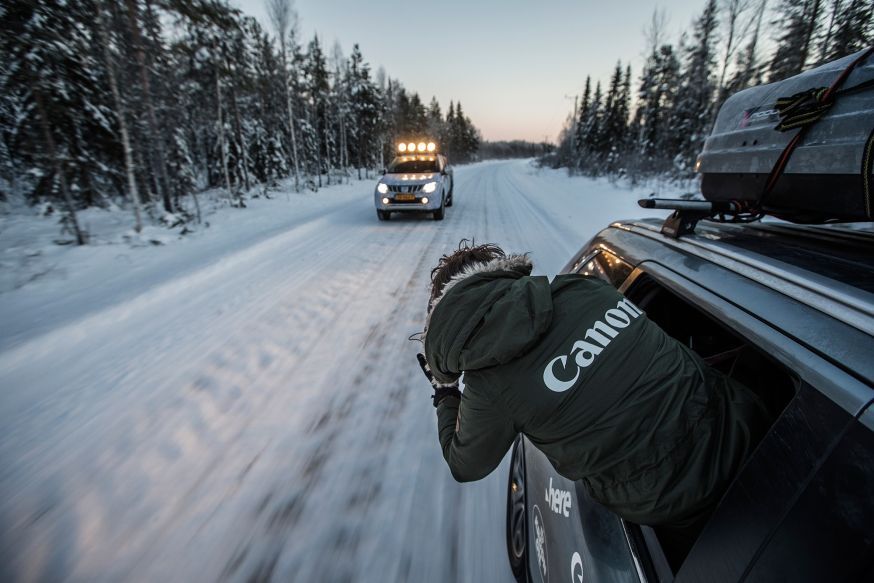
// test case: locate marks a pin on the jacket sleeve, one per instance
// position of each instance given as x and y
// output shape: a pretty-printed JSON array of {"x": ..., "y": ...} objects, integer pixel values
[{"x": 475, "y": 433}]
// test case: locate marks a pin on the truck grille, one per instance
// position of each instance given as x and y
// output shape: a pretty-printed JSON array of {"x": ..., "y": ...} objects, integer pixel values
[{"x": 412, "y": 188}]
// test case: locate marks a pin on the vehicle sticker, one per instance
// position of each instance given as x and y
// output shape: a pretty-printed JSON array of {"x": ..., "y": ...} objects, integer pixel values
[
  {"x": 540, "y": 544},
  {"x": 577, "y": 568},
  {"x": 758, "y": 115},
  {"x": 559, "y": 501}
]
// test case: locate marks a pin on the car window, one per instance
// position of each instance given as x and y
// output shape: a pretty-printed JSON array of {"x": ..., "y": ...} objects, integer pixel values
[
  {"x": 719, "y": 346},
  {"x": 830, "y": 513},
  {"x": 413, "y": 164},
  {"x": 769, "y": 495}
]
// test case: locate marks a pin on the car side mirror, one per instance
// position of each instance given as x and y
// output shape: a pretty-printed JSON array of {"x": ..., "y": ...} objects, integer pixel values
[{"x": 383, "y": 172}]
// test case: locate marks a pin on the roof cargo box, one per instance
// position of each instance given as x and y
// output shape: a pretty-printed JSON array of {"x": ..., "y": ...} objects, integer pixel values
[{"x": 823, "y": 179}]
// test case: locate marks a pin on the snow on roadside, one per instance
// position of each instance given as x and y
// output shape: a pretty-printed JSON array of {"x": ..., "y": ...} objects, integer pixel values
[{"x": 44, "y": 285}]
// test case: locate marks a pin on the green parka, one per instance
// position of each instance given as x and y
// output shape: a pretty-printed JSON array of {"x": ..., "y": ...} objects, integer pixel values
[{"x": 654, "y": 433}]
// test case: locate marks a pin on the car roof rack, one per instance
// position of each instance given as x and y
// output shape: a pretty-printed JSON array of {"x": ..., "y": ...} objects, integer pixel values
[{"x": 687, "y": 213}]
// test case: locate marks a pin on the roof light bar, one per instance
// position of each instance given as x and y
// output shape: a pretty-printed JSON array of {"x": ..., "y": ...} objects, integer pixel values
[{"x": 414, "y": 148}]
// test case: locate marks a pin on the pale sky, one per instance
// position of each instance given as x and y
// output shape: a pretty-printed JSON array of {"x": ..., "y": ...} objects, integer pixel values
[{"x": 511, "y": 63}]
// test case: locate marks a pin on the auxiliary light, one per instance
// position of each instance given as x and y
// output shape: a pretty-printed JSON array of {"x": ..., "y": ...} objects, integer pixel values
[{"x": 413, "y": 147}]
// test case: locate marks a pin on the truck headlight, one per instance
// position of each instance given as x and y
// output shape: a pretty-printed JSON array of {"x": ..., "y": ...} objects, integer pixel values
[
  {"x": 429, "y": 187},
  {"x": 382, "y": 187}
]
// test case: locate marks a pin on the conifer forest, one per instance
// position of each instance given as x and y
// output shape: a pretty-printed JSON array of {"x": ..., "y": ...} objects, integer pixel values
[
  {"x": 654, "y": 123},
  {"x": 145, "y": 103}
]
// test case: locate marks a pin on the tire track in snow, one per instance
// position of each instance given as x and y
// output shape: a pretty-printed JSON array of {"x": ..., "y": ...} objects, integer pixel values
[
  {"x": 336, "y": 558},
  {"x": 330, "y": 298},
  {"x": 335, "y": 555}
]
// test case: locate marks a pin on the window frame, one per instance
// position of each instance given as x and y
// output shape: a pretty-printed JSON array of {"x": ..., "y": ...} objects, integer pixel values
[{"x": 807, "y": 367}]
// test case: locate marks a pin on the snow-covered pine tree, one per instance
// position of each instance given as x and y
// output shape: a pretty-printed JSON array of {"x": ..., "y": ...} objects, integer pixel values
[
  {"x": 580, "y": 124},
  {"x": 448, "y": 142},
  {"x": 657, "y": 98},
  {"x": 318, "y": 87},
  {"x": 154, "y": 133},
  {"x": 66, "y": 138},
  {"x": 592, "y": 131},
  {"x": 207, "y": 100},
  {"x": 389, "y": 108},
  {"x": 691, "y": 118},
  {"x": 266, "y": 112},
  {"x": 794, "y": 27},
  {"x": 851, "y": 28},
  {"x": 365, "y": 103},
  {"x": 624, "y": 144},
  {"x": 470, "y": 139},
  {"x": 611, "y": 140},
  {"x": 182, "y": 170},
  {"x": 436, "y": 127},
  {"x": 459, "y": 135},
  {"x": 13, "y": 98},
  {"x": 417, "y": 117},
  {"x": 340, "y": 106}
]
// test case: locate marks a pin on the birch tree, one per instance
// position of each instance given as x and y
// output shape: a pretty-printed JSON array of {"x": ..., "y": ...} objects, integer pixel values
[
  {"x": 282, "y": 15},
  {"x": 796, "y": 24},
  {"x": 748, "y": 71},
  {"x": 736, "y": 27},
  {"x": 122, "y": 122}
]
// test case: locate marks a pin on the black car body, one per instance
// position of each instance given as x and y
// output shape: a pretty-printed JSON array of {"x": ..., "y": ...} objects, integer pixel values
[{"x": 789, "y": 311}]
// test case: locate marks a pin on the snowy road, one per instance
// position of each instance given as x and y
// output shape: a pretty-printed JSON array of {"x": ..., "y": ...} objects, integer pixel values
[{"x": 262, "y": 414}]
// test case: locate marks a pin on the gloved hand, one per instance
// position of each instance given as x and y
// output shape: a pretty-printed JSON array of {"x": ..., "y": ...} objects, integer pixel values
[{"x": 441, "y": 391}]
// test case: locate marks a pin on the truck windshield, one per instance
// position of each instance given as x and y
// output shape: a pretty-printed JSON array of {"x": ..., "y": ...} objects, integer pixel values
[{"x": 413, "y": 164}]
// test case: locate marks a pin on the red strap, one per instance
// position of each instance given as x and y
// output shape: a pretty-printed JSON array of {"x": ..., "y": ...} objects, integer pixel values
[
  {"x": 780, "y": 166},
  {"x": 777, "y": 170}
]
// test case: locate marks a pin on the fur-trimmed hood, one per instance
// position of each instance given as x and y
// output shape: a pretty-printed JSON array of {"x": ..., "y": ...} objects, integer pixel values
[
  {"x": 519, "y": 263},
  {"x": 486, "y": 315}
]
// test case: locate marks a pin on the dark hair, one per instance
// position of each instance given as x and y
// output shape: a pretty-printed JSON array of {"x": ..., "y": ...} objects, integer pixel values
[{"x": 468, "y": 252}]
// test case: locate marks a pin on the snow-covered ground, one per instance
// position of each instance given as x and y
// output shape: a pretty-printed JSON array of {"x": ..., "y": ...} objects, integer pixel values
[{"x": 244, "y": 402}]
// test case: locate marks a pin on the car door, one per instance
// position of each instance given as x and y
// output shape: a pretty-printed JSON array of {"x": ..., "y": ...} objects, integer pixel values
[
  {"x": 450, "y": 175},
  {"x": 570, "y": 536}
]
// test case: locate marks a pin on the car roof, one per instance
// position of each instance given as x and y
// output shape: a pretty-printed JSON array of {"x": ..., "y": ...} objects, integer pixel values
[
  {"x": 773, "y": 272},
  {"x": 828, "y": 262}
]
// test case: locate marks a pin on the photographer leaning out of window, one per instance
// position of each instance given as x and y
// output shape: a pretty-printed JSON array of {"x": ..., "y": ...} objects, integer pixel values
[{"x": 653, "y": 432}]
